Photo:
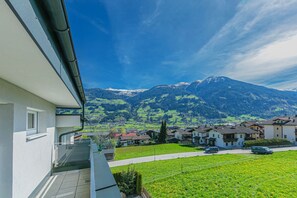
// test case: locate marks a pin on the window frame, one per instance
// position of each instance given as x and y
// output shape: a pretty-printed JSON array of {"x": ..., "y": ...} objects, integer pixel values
[{"x": 34, "y": 130}]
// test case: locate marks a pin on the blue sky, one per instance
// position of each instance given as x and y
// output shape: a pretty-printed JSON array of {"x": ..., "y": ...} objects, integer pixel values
[{"x": 141, "y": 43}]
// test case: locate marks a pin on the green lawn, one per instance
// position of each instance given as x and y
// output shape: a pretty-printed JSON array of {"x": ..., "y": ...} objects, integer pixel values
[
  {"x": 159, "y": 149},
  {"x": 222, "y": 176}
]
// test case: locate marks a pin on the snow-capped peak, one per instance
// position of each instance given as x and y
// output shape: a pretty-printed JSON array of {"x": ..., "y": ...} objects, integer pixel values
[
  {"x": 126, "y": 90},
  {"x": 215, "y": 79},
  {"x": 181, "y": 84}
]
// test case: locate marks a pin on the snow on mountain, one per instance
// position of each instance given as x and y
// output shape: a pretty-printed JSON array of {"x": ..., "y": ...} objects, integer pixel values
[
  {"x": 215, "y": 79},
  {"x": 181, "y": 84},
  {"x": 126, "y": 92}
]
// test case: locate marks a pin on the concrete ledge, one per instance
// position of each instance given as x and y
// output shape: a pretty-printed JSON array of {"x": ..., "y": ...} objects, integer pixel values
[{"x": 35, "y": 136}]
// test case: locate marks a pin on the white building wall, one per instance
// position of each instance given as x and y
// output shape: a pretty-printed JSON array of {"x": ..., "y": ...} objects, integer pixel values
[
  {"x": 289, "y": 131},
  {"x": 268, "y": 132},
  {"x": 220, "y": 141},
  {"x": 177, "y": 135},
  {"x": 68, "y": 121},
  {"x": 240, "y": 140},
  {"x": 31, "y": 160},
  {"x": 6, "y": 129}
]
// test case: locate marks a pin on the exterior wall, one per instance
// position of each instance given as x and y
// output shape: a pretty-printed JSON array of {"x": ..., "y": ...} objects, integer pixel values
[
  {"x": 289, "y": 133},
  {"x": 220, "y": 141},
  {"x": 240, "y": 139},
  {"x": 177, "y": 135},
  {"x": 202, "y": 139},
  {"x": 68, "y": 121},
  {"x": 6, "y": 128},
  {"x": 286, "y": 132},
  {"x": 66, "y": 139},
  {"x": 277, "y": 131},
  {"x": 31, "y": 160},
  {"x": 268, "y": 132},
  {"x": 194, "y": 134}
]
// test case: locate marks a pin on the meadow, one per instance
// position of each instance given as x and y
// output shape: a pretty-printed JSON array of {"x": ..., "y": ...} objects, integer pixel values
[
  {"x": 149, "y": 150},
  {"x": 221, "y": 176}
]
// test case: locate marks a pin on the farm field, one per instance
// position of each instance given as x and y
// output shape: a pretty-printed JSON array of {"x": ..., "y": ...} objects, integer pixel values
[
  {"x": 221, "y": 176},
  {"x": 149, "y": 150}
]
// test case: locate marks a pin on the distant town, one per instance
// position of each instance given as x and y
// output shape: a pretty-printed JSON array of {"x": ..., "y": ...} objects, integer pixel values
[{"x": 228, "y": 136}]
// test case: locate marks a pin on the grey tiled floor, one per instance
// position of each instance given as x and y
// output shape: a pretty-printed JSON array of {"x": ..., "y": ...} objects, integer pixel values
[{"x": 70, "y": 184}]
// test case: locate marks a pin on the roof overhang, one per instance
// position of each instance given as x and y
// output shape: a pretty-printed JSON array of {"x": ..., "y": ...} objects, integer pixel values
[{"x": 28, "y": 58}]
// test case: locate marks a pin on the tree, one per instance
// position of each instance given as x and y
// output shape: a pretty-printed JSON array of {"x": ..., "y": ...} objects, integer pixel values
[
  {"x": 123, "y": 130},
  {"x": 163, "y": 133}
]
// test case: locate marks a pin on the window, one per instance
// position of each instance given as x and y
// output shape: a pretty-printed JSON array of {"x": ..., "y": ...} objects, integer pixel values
[
  {"x": 32, "y": 122},
  {"x": 285, "y": 136},
  {"x": 213, "y": 135},
  {"x": 226, "y": 143},
  {"x": 240, "y": 136},
  {"x": 218, "y": 136},
  {"x": 276, "y": 135}
]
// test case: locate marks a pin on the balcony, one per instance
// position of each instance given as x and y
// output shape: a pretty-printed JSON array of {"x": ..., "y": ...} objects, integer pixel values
[
  {"x": 230, "y": 139},
  {"x": 80, "y": 171}
]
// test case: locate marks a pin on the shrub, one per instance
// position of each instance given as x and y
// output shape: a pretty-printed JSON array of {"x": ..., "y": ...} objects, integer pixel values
[
  {"x": 138, "y": 183},
  {"x": 129, "y": 182},
  {"x": 266, "y": 142}
]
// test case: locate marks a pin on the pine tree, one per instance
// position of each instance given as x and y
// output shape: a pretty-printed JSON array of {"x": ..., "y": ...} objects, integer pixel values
[{"x": 163, "y": 133}]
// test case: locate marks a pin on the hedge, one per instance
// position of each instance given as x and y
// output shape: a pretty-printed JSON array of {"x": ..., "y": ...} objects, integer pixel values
[
  {"x": 129, "y": 182},
  {"x": 267, "y": 142}
]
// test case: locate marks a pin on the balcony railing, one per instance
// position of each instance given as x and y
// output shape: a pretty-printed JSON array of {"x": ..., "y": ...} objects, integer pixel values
[
  {"x": 85, "y": 154},
  {"x": 103, "y": 183},
  {"x": 230, "y": 139}
]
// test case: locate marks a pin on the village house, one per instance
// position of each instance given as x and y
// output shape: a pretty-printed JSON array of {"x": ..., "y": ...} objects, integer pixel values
[
  {"x": 228, "y": 136},
  {"x": 152, "y": 133},
  {"x": 200, "y": 135},
  {"x": 133, "y": 139},
  {"x": 282, "y": 127},
  {"x": 256, "y": 126},
  {"x": 183, "y": 135}
]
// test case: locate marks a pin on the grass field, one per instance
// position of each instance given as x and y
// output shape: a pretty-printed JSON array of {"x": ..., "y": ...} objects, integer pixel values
[
  {"x": 159, "y": 149},
  {"x": 222, "y": 176}
]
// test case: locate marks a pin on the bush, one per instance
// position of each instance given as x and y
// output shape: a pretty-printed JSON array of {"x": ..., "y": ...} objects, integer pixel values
[
  {"x": 138, "y": 183},
  {"x": 266, "y": 142},
  {"x": 129, "y": 182}
]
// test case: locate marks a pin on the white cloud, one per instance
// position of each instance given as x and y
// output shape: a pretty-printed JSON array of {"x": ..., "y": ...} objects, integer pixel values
[
  {"x": 256, "y": 45},
  {"x": 267, "y": 61},
  {"x": 150, "y": 19}
]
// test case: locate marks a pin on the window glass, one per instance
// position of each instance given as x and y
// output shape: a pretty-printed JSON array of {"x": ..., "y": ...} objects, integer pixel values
[{"x": 31, "y": 121}]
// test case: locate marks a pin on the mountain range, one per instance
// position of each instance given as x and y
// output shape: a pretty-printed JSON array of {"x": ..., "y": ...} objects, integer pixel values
[{"x": 216, "y": 98}]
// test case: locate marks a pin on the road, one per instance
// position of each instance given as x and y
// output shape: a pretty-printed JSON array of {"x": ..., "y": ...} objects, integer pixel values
[{"x": 187, "y": 154}]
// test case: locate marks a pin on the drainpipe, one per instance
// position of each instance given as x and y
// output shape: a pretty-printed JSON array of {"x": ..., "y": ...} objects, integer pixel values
[{"x": 77, "y": 130}]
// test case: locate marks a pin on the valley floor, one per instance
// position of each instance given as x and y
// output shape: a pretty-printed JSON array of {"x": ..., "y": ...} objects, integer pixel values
[
  {"x": 238, "y": 175},
  {"x": 151, "y": 150}
]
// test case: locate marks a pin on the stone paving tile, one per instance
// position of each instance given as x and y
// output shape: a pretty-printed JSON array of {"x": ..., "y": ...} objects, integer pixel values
[
  {"x": 82, "y": 194},
  {"x": 70, "y": 184},
  {"x": 84, "y": 188}
]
